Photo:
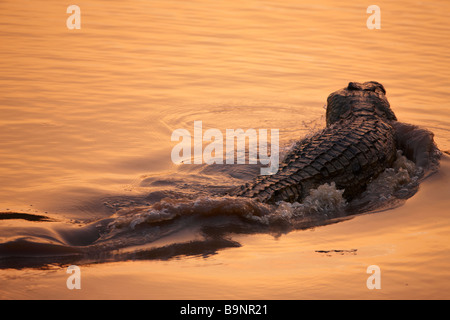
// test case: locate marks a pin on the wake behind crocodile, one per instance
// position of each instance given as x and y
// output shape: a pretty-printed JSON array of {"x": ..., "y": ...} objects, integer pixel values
[
  {"x": 380, "y": 163},
  {"x": 169, "y": 223},
  {"x": 326, "y": 202}
]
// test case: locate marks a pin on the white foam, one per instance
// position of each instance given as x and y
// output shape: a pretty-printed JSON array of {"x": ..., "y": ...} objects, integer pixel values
[
  {"x": 324, "y": 202},
  {"x": 403, "y": 174}
]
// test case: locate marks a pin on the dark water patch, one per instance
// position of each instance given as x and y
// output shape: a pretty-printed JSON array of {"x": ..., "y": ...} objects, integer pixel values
[
  {"x": 23, "y": 216},
  {"x": 202, "y": 248},
  {"x": 341, "y": 252}
]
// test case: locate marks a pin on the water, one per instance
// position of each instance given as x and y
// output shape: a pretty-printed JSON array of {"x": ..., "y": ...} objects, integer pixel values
[{"x": 86, "y": 122}]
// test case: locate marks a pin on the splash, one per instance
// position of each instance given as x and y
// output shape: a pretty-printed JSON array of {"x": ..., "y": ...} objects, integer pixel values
[
  {"x": 399, "y": 182},
  {"x": 324, "y": 202}
]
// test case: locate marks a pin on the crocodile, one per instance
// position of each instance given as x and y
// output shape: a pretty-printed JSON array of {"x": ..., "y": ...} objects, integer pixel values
[{"x": 360, "y": 140}]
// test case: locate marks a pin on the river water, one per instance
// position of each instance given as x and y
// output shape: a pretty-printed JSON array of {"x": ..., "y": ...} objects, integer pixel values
[{"x": 86, "y": 122}]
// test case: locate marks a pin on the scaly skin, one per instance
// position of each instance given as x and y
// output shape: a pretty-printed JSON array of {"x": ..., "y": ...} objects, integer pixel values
[{"x": 357, "y": 144}]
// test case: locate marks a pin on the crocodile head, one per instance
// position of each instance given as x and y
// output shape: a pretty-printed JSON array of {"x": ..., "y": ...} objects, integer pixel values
[{"x": 359, "y": 99}]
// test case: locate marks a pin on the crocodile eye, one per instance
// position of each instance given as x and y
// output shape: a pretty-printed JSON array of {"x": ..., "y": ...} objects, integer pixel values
[
  {"x": 375, "y": 87},
  {"x": 354, "y": 86}
]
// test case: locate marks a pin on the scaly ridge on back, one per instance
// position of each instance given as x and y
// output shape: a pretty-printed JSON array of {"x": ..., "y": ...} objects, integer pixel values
[{"x": 357, "y": 144}]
